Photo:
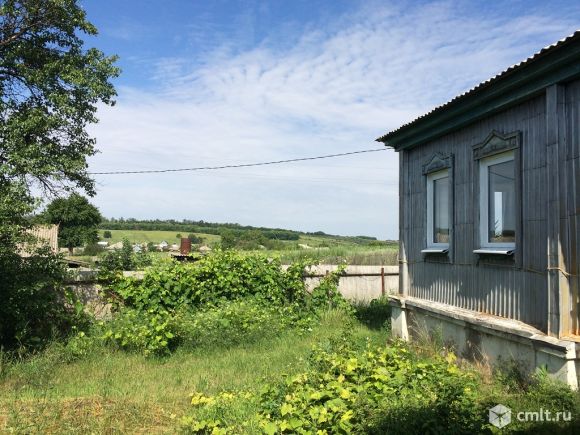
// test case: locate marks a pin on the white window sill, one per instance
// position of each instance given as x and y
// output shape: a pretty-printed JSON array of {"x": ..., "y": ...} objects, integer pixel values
[
  {"x": 435, "y": 251},
  {"x": 495, "y": 251}
]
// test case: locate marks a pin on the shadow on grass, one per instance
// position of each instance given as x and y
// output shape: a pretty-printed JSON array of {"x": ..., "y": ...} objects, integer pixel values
[{"x": 375, "y": 314}]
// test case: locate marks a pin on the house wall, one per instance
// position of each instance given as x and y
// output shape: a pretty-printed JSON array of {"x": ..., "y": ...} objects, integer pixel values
[
  {"x": 513, "y": 287},
  {"x": 570, "y": 210}
]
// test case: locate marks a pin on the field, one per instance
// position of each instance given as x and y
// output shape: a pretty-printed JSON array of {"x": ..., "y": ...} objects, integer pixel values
[
  {"x": 324, "y": 249},
  {"x": 116, "y": 392}
]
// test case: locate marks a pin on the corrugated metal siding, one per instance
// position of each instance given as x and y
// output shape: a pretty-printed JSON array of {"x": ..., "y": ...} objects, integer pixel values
[{"x": 499, "y": 287}]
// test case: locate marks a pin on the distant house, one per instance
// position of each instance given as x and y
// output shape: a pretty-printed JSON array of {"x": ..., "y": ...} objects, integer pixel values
[
  {"x": 163, "y": 246},
  {"x": 204, "y": 249},
  {"x": 137, "y": 248},
  {"x": 114, "y": 246},
  {"x": 45, "y": 235},
  {"x": 103, "y": 244},
  {"x": 490, "y": 216}
]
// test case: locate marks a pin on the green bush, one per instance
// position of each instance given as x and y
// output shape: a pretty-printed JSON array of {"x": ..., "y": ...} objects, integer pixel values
[
  {"x": 143, "y": 332},
  {"x": 223, "y": 275},
  {"x": 375, "y": 315},
  {"x": 35, "y": 306},
  {"x": 93, "y": 249},
  {"x": 349, "y": 389},
  {"x": 226, "y": 298}
]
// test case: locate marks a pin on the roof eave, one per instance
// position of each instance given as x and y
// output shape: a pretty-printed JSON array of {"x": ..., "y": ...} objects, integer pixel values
[{"x": 515, "y": 86}]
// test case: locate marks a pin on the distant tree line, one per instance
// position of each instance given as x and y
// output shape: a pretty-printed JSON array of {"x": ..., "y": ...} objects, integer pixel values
[
  {"x": 188, "y": 226},
  {"x": 235, "y": 235}
]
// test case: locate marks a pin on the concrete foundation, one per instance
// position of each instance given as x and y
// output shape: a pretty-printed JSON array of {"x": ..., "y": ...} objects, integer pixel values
[{"x": 485, "y": 338}]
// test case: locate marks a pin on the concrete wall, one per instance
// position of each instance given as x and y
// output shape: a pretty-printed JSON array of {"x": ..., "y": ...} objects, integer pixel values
[
  {"x": 485, "y": 338},
  {"x": 361, "y": 283}
]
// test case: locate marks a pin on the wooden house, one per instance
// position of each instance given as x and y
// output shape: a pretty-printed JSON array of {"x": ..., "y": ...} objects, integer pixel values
[{"x": 490, "y": 216}]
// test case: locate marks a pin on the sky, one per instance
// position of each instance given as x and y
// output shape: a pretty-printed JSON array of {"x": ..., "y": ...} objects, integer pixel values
[{"x": 209, "y": 83}]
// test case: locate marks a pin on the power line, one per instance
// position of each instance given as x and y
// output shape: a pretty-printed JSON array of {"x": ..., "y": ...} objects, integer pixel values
[{"x": 242, "y": 165}]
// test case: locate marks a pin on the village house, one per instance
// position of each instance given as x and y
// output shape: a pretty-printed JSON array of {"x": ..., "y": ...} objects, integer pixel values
[
  {"x": 43, "y": 235},
  {"x": 490, "y": 217}
]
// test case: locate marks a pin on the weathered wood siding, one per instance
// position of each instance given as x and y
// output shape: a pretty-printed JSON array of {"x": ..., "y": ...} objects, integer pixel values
[
  {"x": 514, "y": 287},
  {"x": 570, "y": 213}
]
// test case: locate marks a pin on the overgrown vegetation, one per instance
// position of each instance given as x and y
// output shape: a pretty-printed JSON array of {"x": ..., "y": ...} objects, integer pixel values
[{"x": 227, "y": 294}]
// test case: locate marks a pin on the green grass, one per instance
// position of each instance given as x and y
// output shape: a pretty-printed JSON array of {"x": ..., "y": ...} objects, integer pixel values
[
  {"x": 353, "y": 255},
  {"x": 112, "y": 391}
]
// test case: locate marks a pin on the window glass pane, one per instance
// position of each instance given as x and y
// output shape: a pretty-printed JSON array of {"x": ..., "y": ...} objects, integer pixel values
[
  {"x": 441, "y": 210},
  {"x": 502, "y": 198}
]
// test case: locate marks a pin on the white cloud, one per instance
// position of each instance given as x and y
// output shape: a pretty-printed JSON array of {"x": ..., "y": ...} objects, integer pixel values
[{"x": 335, "y": 90}]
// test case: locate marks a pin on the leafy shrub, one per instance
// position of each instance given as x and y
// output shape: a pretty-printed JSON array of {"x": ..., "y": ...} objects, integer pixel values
[
  {"x": 107, "y": 234},
  {"x": 223, "y": 275},
  {"x": 195, "y": 239},
  {"x": 353, "y": 390},
  {"x": 326, "y": 294},
  {"x": 374, "y": 390},
  {"x": 375, "y": 315},
  {"x": 224, "y": 299},
  {"x": 93, "y": 249},
  {"x": 143, "y": 332},
  {"x": 35, "y": 306}
]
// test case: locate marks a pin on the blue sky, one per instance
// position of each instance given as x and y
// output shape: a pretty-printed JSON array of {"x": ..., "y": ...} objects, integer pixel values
[{"x": 222, "y": 82}]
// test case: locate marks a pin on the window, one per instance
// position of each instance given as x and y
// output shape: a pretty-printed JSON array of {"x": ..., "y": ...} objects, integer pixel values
[
  {"x": 438, "y": 207},
  {"x": 498, "y": 201}
]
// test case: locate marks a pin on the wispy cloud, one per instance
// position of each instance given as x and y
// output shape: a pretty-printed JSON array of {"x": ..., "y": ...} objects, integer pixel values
[{"x": 333, "y": 90}]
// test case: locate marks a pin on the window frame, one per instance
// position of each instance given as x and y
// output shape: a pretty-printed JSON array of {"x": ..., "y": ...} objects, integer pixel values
[
  {"x": 431, "y": 178},
  {"x": 484, "y": 165}
]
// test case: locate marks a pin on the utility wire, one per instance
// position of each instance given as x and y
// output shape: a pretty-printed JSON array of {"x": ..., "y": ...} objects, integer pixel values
[{"x": 242, "y": 165}]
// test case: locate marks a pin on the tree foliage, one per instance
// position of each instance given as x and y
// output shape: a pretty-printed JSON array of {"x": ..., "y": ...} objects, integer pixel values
[
  {"x": 49, "y": 88},
  {"x": 50, "y": 85},
  {"x": 77, "y": 219}
]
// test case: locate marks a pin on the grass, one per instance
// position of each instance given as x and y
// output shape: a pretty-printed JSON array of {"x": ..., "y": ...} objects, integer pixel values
[
  {"x": 112, "y": 391},
  {"x": 353, "y": 255}
]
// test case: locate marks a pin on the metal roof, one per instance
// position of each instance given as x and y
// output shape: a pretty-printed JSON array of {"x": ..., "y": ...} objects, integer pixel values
[{"x": 487, "y": 83}]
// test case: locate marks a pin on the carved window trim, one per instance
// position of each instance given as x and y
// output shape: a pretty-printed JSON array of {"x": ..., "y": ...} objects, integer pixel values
[
  {"x": 437, "y": 162},
  {"x": 496, "y": 143}
]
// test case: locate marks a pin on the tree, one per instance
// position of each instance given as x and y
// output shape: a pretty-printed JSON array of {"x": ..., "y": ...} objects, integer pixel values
[
  {"x": 77, "y": 219},
  {"x": 50, "y": 85},
  {"x": 49, "y": 88},
  {"x": 178, "y": 236},
  {"x": 194, "y": 239},
  {"x": 107, "y": 234},
  {"x": 228, "y": 239}
]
